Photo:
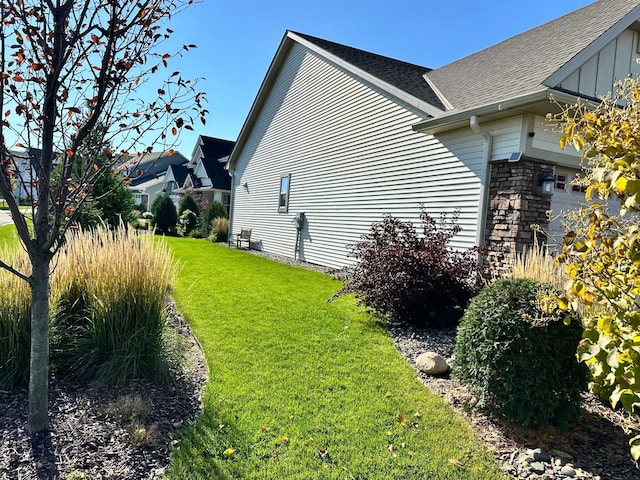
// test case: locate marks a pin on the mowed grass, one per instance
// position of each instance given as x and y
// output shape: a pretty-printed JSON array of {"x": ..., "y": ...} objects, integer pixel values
[{"x": 304, "y": 389}]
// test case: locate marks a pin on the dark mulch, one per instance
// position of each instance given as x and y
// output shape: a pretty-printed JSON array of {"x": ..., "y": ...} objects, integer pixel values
[{"x": 84, "y": 438}]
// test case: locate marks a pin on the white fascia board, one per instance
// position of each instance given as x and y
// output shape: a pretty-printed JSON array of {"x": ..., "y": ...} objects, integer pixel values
[
  {"x": 396, "y": 92},
  {"x": 434, "y": 125},
  {"x": 594, "y": 47},
  {"x": 169, "y": 176},
  {"x": 437, "y": 91}
]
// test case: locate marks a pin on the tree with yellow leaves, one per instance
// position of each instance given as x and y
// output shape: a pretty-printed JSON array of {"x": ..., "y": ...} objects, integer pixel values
[{"x": 601, "y": 252}]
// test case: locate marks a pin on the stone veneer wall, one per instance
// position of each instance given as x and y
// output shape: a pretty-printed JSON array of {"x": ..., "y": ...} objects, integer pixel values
[{"x": 514, "y": 205}]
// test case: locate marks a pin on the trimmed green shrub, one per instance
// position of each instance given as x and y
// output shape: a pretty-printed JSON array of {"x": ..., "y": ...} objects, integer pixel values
[
  {"x": 411, "y": 278},
  {"x": 166, "y": 215},
  {"x": 519, "y": 360},
  {"x": 189, "y": 203},
  {"x": 215, "y": 210}
]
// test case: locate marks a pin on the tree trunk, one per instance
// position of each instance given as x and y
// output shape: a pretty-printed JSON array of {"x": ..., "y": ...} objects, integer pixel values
[{"x": 39, "y": 361}]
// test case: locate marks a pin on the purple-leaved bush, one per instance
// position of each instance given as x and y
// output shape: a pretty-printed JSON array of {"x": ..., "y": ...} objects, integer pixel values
[{"x": 411, "y": 278}]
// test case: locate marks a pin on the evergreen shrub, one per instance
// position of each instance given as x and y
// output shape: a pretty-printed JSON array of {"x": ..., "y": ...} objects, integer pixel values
[
  {"x": 518, "y": 359},
  {"x": 166, "y": 215},
  {"x": 189, "y": 203},
  {"x": 215, "y": 210}
]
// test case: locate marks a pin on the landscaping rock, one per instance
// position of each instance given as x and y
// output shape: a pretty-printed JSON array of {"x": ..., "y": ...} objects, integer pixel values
[
  {"x": 568, "y": 471},
  {"x": 540, "y": 455},
  {"x": 432, "y": 363},
  {"x": 537, "y": 467}
]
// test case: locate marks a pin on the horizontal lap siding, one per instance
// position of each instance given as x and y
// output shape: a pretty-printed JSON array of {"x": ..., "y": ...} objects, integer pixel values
[{"x": 353, "y": 157}]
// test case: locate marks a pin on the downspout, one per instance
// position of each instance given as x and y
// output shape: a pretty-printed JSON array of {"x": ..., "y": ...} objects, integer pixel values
[
  {"x": 485, "y": 178},
  {"x": 232, "y": 174}
]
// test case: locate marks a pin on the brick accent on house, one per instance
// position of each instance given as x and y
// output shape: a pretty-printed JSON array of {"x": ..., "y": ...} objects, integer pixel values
[{"x": 515, "y": 204}]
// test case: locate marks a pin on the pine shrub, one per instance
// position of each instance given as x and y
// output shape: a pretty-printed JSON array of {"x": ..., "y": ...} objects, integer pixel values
[
  {"x": 215, "y": 210},
  {"x": 166, "y": 215},
  {"x": 410, "y": 278},
  {"x": 189, "y": 203},
  {"x": 518, "y": 359}
]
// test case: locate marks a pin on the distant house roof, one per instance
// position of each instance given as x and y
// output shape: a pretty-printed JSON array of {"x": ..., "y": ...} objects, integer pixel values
[
  {"x": 216, "y": 148},
  {"x": 150, "y": 166},
  {"x": 180, "y": 173},
  {"x": 216, "y": 172},
  {"x": 523, "y": 64},
  {"x": 213, "y": 154}
]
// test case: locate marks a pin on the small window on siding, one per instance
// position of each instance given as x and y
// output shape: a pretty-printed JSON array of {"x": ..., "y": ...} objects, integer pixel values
[{"x": 283, "y": 201}]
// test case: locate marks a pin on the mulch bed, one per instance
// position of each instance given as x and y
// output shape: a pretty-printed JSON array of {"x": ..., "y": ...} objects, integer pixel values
[{"x": 84, "y": 438}]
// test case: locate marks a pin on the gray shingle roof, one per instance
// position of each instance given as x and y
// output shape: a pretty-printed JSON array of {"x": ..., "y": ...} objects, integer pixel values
[
  {"x": 405, "y": 76},
  {"x": 521, "y": 64}
]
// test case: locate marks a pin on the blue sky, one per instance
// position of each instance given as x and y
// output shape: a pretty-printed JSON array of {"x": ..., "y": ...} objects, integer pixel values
[{"x": 237, "y": 40}]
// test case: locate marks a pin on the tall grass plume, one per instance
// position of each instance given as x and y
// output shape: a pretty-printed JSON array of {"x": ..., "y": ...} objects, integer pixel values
[
  {"x": 15, "y": 320},
  {"x": 110, "y": 290}
]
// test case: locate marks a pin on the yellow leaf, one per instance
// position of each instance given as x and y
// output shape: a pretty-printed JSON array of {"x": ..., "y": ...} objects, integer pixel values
[
  {"x": 621, "y": 184},
  {"x": 410, "y": 453},
  {"x": 228, "y": 452},
  {"x": 388, "y": 394},
  {"x": 455, "y": 462}
]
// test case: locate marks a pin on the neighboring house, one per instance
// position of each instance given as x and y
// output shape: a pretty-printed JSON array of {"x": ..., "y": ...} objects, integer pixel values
[
  {"x": 24, "y": 179},
  {"x": 345, "y": 136},
  {"x": 207, "y": 178},
  {"x": 174, "y": 180},
  {"x": 147, "y": 172}
]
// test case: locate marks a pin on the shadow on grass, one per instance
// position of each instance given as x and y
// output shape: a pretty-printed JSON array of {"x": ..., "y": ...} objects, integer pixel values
[{"x": 210, "y": 446}]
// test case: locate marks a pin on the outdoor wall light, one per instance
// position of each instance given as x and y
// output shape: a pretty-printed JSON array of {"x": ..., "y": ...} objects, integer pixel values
[{"x": 546, "y": 182}]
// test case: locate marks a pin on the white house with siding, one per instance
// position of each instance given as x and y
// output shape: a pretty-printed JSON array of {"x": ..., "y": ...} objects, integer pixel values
[{"x": 345, "y": 136}]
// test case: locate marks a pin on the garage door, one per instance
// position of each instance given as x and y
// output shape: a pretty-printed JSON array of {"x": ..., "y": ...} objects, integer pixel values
[{"x": 566, "y": 197}]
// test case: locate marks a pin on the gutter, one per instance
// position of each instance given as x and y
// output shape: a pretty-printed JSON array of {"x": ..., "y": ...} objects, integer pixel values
[
  {"x": 433, "y": 125},
  {"x": 483, "y": 206}
]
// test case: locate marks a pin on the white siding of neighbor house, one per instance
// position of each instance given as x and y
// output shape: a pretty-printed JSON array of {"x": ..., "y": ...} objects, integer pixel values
[
  {"x": 614, "y": 62},
  {"x": 352, "y": 156}
]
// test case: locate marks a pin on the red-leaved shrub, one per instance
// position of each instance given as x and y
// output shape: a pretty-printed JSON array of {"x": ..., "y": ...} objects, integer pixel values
[{"x": 410, "y": 278}]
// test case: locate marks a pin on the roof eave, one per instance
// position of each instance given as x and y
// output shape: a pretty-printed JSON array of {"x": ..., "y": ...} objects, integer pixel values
[{"x": 457, "y": 119}]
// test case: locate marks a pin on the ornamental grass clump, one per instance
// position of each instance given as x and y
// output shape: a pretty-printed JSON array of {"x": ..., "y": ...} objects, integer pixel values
[
  {"x": 515, "y": 350},
  {"x": 219, "y": 229},
  {"x": 15, "y": 321},
  {"x": 110, "y": 289},
  {"x": 411, "y": 278}
]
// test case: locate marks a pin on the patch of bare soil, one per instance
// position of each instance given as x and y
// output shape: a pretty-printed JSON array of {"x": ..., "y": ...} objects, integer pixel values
[{"x": 84, "y": 437}]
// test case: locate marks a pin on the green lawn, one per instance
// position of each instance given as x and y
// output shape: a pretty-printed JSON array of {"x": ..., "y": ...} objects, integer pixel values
[{"x": 305, "y": 389}]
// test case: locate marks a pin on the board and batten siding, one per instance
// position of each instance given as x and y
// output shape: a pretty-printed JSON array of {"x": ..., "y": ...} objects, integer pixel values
[
  {"x": 614, "y": 62},
  {"x": 352, "y": 156}
]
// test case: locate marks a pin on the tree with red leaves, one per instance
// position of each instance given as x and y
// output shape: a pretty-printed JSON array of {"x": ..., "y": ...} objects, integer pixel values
[{"x": 68, "y": 68}]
